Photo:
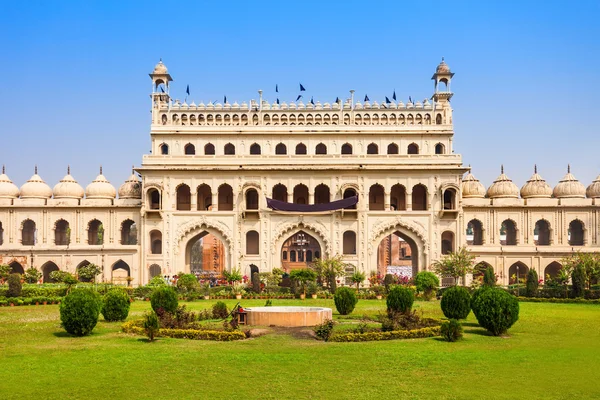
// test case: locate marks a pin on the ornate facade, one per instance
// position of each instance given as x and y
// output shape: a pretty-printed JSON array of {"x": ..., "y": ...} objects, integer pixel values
[{"x": 213, "y": 166}]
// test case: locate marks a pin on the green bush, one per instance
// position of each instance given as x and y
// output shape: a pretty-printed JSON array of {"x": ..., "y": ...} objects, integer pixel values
[
  {"x": 324, "y": 330},
  {"x": 151, "y": 325},
  {"x": 32, "y": 275},
  {"x": 489, "y": 277},
  {"x": 219, "y": 310},
  {"x": 578, "y": 281},
  {"x": 79, "y": 312},
  {"x": 451, "y": 330},
  {"x": 195, "y": 334},
  {"x": 388, "y": 280},
  {"x": 496, "y": 310},
  {"x": 157, "y": 281},
  {"x": 456, "y": 302},
  {"x": 14, "y": 285},
  {"x": 115, "y": 305},
  {"x": 187, "y": 283},
  {"x": 532, "y": 283},
  {"x": 400, "y": 299},
  {"x": 256, "y": 282},
  {"x": 391, "y": 335},
  {"x": 165, "y": 298},
  {"x": 345, "y": 300},
  {"x": 426, "y": 283}
]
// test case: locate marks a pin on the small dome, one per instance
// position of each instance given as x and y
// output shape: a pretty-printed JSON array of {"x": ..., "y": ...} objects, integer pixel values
[
  {"x": 8, "y": 190},
  {"x": 472, "y": 188},
  {"x": 160, "y": 69},
  {"x": 592, "y": 192},
  {"x": 503, "y": 187},
  {"x": 100, "y": 188},
  {"x": 569, "y": 187},
  {"x": 35, "y": 188},
  {"x": 442, "y": 68},
  {"x": 132, "y": 188},
  {"x": 536, "y": 187}
]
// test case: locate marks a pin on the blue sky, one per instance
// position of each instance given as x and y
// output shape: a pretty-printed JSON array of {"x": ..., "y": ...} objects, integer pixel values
[{"x": 76, "y": 85}]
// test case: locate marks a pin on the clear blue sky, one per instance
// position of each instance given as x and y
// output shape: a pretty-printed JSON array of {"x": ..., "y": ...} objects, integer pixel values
[{"x": 76, "y": 79}]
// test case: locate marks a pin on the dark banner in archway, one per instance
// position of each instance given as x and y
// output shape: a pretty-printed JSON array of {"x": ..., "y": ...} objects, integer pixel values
[{"x": 332, "y": 206}]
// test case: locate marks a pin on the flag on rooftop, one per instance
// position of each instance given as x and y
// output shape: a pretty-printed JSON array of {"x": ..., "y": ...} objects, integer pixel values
[
  {"x": 337, "y": 99},
  {"x": 276, "y": 88},
  {"x": 302, "y": 88},
  {"x": 187, "y": 91},
  {"x": 224, "y": 99},
  {"x": 387, "y": 100},
  {"x": 312, "y": 101},
  {"x": 299, "y": 97},
  {"x": 394, "y": 95},
  {"x": 366, "y": 98}
]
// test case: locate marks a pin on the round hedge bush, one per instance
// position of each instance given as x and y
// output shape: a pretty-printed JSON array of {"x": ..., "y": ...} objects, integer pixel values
[
  {"x": 426, "y": 283},
  {"x": 14, "y": 285},
  {"x": 115, "y": 305},
  {"x": 451, "y": 330},
  {"x": 79, "y": 311},
  {"x": 165, "y": 298},
  {"x": 345, "y": 300},
  {"x": 456, "y": 303},
  {"x": 400, "y": 299},
  {"x": 496, "y": 310}
]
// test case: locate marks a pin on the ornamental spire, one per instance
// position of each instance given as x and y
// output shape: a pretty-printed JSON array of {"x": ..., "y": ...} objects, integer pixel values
[
  {"x": 35, "y": 169},
  {"x": 501, "y": 168},
  {"x": 68, "y": 170},
  {"x": 535, "y": 168}
]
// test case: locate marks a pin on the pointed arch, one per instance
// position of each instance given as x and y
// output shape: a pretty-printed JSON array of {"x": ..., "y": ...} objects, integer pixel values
[
  {"x": 346, "y": 149},
  {"x": 376, "y": 198},
  {"x": 184, "y": 197},
  {"x": 321, "y": 149},
  {"x": 255, "y": 148},
  {"x": 280, "y": 192},
  {"x": 301, "y": 149},
  {"x": 576, "y": 233},
  {"x": 474, "y": 233},
  {"x": 228, "y": 150},
  {"x": 95, "y": 232},
  {"x": 189, "y": 149},
  {"x": 517, "y": 273},
  {"x": 398, "y": 197},
  {"x": 280, "y": 149},
  {"x": 225, "y": 197},
  {"x": 372, "y": 148},
  {"x": 420, "y": 200},
  {"x": 508, "y": 229},
  {"x": 209, "y": 149},
  {"x": 413, "y": 148},
  {"x": 28, "y": 233},
  {"x": 541, "y": 233},
  {"x": 47, "y": 268},
  {"x": 128, "y": 232},
  {"x": 62, "y": 233},
  {"x": 392, "y": 148},
  {"x": 203, "y": 197}
]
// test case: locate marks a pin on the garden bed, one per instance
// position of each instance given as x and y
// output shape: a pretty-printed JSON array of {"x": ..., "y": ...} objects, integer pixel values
[{"x": 135, "y": 327}]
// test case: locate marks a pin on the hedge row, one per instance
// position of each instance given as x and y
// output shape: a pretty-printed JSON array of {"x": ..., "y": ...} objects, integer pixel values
[
  {"x": 195, "y": 334},
  {"x": 27, "y": 301},
  {"x": 390, "y": 335},
  {"x": 555, "y": 300},
  {"x": 60, "y": 290}
]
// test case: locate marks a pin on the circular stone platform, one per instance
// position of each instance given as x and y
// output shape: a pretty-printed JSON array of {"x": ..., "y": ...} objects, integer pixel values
[{"x": 287, "y": 316}]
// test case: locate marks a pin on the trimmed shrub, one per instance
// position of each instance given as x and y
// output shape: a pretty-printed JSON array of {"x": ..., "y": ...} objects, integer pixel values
[
  {"x": 496, "y": 310},
  {"x": 195, "y": 334},
  {"x": 79, "y": 311},
  {"x": 489, "y": 277},
  {"x": 456, "y": 303},
  {"x": 400, "y": 299},
  {"x": 14, "y": 285},
  {"x": 165, "y": 298},
  {"x": 219, "y": 310},
  {"x": 256, "y": 282},
  {"x": 187, "y": 283},
  {"x": 325, "y": 330},
  {"x": 151, "y": 325},
  {"x": 531, "y": 286},
  {"x": 388, "y": 280},
  {"x": 426, "y": 283},
  {"x": 157, "y": 281},
  {"x": 115, "y": 305},
  {"x": 371, "y": 336},
  {"x": 345, "y": 300},
  {"x": 578, "y": 281},
  {"x": 451, "y": 330}
]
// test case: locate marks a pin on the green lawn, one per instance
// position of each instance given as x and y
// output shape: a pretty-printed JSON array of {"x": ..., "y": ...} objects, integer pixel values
[{"x": 553, "y": 352}]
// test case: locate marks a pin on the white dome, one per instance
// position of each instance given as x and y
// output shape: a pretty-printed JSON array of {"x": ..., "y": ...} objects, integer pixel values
[
  {"x": 503, "y": 187},
  {"x": 593, "y": 191},
  {"x": 35, "y": 188},
  {"x": 569, "y": 187},
  {"x": 131, "y": 189},
  {"x": 7, "y": 188},
  {"x": 68, "y": 188},
  {"x": 160, "y": 68},
  {"x": 536, "y": 187},
  {"x": 100, "y": 188},
  {"x": 472, "y": 188}
]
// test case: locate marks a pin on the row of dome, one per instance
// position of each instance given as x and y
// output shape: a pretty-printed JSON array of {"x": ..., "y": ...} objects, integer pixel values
[
  {"x": 536, "y": 187},
  {"x": 68, "y": 188}
]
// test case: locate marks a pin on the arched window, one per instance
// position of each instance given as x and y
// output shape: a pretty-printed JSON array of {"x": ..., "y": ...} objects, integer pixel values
[
  {"x": 95, "y": 233},
  {"x": 164, "y": 149},
  {"x": 349, "y": 246},
  {"x": 309, "y": 256},
  {"x": 16, "y": 268},
  {"x": 541, "y": 233},
  {"x": 413, "y": 149},
  {"x": 392, "y": 148},
  {"x": 372, "y": 149},
  {"x": 350, "y": 192},
  {"x": 225, "y": 198},
  {"x": 317, "y": 254},
  {"x": 229, "y": 149},
  {"x": 301, "y": 149},
  {"x": 204, "y": 198},
  {"x": 438, "y": 119},
  {"x": 449, "y": 199},
  {"x": 280, "y": 192},
  {"x": 300, "y": 194},
  {"x": 576, "y": 233},
  {"x": 474, "y": 233},
  {"x": 62, "y": 233},
  {"x": 284, "y": 255},
  {"x": 517, "y": 273},
  {"x": 153, "y": 199},
  {"x": 346, "y": 148},
  {"x": 255, "y": 149},
  {"x": 154, "y": 270},
  {"x": 447, "y": 242},
  {"x": 128, "y": 232},
  {"x": 252, "y": 242},
  {"x": 552, "y": 271},
  {"x": 322, "y": 194},
  {"x": 184, "y": 197},
  {"x": 189, "y": 149},
  {"x": 376, "y": 198},
  {"x": 209, "y": 149},
  {"x": 398, "y": 198},
  {"x": 440, "y": 149},
  {"x": 280, "y": 149},
  {"x": 419, "y": 198},
  {"x": 321, "y": 149},
  {"x": 156, "y": 242},
  {"x": 251, "y": 199},
  {"x": 48, "y": 268},
  {"x": 508, "y": 233},
  {"x": 293, "y": 255}
]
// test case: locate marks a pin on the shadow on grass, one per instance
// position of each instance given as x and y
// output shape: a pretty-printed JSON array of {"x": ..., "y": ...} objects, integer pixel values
[
  {"x": 63, "y": 334},
  {"x": 481, "y": 332},
  {"x": 473, "y": 324}
]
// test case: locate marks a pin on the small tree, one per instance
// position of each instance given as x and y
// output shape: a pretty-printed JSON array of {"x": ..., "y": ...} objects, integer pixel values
[
  {"x": 88, "y": 273},
  {"x": 329, "y": 269},
  {"x": 455, "y": 264},
  {"x": 255, "y": 278},
  {"x": 400, "y": 299},
  {"x": 151, "y": 325},
  {"x": 4, "y": 271},
  {"x": 426, "y": 283},
  {"x": 358, "y": 277},
  {"x": 233, "y": 276},
  {"x": 32, "y": 275},
  {"x": 187, "y": 283},
  {"x": 489, "y": 277},
  {"x": 589, "y": 263},
  {"x": 345, "y": 300},
  {"x": 532, "y": 283},
  {"x": 578, "y": 279},
  {"x": 14, "y": 285},
  {"x": 79, "y": 312},
  {"x": 302, "y": 277}
]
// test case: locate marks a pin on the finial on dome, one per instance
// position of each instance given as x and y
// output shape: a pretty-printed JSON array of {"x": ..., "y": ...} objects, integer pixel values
[
  {"x": 535, "y": 168},
  {"x": 100, "y": 169},
  {"x": 3, "y": 169},
  {"x": 68, "y": 170},
  {"x": 35, "y": 169},
  {"x": 568, "y": 168},
  {"x": 133, "y": 169},
  {"x": 442, "y": 58},
  {"x": 501, "y": 168}
]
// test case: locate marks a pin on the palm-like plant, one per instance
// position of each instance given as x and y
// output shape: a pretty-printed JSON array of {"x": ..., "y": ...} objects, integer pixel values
[
  {"x": 357, "y": 278},
  {"x": 456, "y": 264},
  {"x": 329, "y": 269}
]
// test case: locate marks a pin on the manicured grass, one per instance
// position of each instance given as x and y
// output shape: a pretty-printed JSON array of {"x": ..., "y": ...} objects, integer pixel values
[{"x": 553, "y": 352}]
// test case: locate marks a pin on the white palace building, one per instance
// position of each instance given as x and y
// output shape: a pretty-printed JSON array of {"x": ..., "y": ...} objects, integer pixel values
[{"x": 266, "y": 185}]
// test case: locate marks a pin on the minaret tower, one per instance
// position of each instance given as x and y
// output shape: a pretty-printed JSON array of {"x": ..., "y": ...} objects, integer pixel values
[
  {"x": 442, "y": 93},
  {"x": 160, "y": 89}
]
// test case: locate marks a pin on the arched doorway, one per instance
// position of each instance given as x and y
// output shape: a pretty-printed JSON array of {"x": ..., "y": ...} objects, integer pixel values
[
  {"x": 47, "y": 268},
  {"x": 155, "y": 270},
  {"x": 299, "y": 251},
  {"x": 479, "y": 270},
  {"x": 397, "y": 253},
  {"x": 205, "y": 253},
  {"x": 552, "y": 271},
  {"x": 16, "y": 268},
  {"x": 517, "y": 273},
  {"x": 120, "y": 273}
]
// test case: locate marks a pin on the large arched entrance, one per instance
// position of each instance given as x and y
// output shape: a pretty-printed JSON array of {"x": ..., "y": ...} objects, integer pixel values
[
  {"x": 47, "y": 269},
  {"x": 205, "y": 253},
  {"x": 397, "y": 253},
  {"x": 120, "y": 273},
  {"x": 299, "y": 251}
]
